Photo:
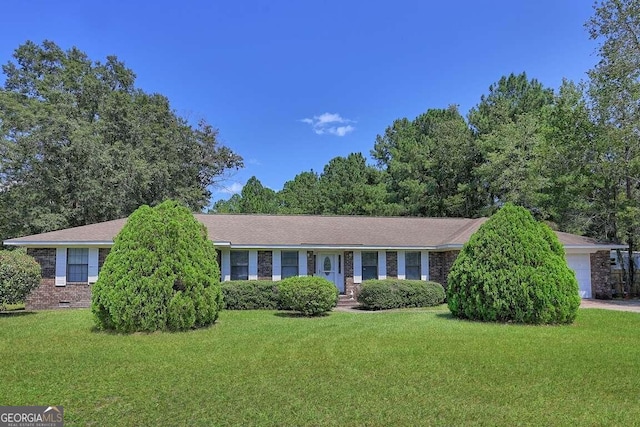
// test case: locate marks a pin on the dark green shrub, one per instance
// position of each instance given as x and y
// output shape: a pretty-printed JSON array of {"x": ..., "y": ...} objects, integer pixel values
[
  {"x": 250, "y": 295},
  {"x": 19, "y": 275},
  {"x": 308, "y": 295},
  {"x": 513, "y": 269},
  {"x": 394, "y": 293},
  {"x": 161, "y": 273}
]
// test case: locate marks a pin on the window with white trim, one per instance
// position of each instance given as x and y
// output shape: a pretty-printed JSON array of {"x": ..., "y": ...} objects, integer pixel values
[
  {"x": 289, "y": 264},
  {"x": 239, "y": 265},
  {"x": 78, "y": 265},
  {"x": 412, "y": 265},
  {"x": 369, "y": 265}
]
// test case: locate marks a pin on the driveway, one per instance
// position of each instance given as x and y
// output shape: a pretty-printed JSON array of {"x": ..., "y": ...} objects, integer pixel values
[{"x": 620, "y": 305}]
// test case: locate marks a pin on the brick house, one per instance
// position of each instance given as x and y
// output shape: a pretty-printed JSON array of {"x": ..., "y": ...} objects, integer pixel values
[{"x": 344, "y": 249}]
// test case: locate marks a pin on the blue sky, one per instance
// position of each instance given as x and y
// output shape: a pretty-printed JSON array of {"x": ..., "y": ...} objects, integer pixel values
[{"x": 292, "y": 84}]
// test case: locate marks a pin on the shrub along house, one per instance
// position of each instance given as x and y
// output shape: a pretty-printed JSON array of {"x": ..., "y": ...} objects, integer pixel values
[{"x": 343, "y": 249}]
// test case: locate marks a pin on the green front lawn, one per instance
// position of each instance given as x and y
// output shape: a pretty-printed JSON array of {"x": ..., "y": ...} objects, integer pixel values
[{"x": 414, "y": 367}]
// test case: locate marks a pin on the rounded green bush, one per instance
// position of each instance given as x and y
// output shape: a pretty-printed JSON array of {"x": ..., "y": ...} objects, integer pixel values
[
  {"x": 513, "y": 269},
  {"x": 250, "y": 295},
  {"x": 19, "y": 275},
  {"x": 394, "y": 293},
  {"x": 161, "y": 273},
  {"x": 310, "y": 296}
]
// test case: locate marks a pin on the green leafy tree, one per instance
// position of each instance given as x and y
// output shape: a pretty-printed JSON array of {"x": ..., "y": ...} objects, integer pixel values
[
  {"x": 79, "y": 144},
  {"x": 428, "y": 163},
  {"x": 19, "y": 275},
  {"x": 161, "y": 274},
  {"x": 348, "y": 186},
  {"x": 513, "y": 269},
  {"x": 302, "y": 195},
  {"x": 615, "y": 95}
]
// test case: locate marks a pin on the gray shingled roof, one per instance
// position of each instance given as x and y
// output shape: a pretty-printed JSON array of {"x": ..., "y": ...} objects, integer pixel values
[{"x": 302, "y": 230}]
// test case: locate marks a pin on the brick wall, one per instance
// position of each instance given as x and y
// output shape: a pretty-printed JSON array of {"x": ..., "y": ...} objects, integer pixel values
[
  {"x": 265, "y": 265},
  {"x": 351, "y": 289},
  {"x": 601, "y": 274},
  {"x": 102, "y": 255},
  {"x": 439, "y": 265},
  {"x": 46, "y": 257},
  {"x": 311, "y": 264},
  {"x": 392, "y": 265}
]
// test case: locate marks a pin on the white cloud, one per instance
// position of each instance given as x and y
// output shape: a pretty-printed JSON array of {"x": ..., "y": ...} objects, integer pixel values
[
  {"x": 327, "y": 123},
  {"x": 236, "y": 187}
]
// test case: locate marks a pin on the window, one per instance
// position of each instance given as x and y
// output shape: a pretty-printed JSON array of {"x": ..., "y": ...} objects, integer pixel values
[
  {"x": 369, "y": 265},
  {"x": 412, "y": 265},
  {"x": 239, "y": 265},
  {"x": 78, "y": 265},
  {"x": 289, "y": 263}
]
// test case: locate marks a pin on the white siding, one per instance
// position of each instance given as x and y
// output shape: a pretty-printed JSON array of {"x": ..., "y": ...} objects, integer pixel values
[
  {"x": 581, "y": 264},
  {"x": 253, "y": 265},
  {"x": 357, "y": 267},
  {"x": 302, "y": 263},
  {"x": 225, "y": 268},
  {"x": 382, "y": 265},
  {"x": 93, "y": 265},
  {"x": 61, "y": 266},
  {"x": 401, "y": 265},
  {"x": 424, "y": 265},
  {"x": 276, "y": 266}
]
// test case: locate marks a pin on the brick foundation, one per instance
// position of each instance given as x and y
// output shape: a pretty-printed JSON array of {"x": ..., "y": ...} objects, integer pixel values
[
  {"x": 601, "y": 274},
  {"x": 48, "y": 296}
]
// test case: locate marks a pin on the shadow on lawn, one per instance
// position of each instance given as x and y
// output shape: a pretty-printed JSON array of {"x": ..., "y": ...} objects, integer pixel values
[
  {"x": 16, "y": 313},
  {"x": 296, "y": 315},
  {"x": 445, "y": 315}
]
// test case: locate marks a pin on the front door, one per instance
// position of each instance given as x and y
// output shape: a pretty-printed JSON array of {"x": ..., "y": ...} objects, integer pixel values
[{"x": 328, "y": 266}]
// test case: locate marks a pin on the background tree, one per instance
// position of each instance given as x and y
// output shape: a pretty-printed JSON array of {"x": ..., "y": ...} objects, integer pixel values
[
  {"x": 79, "y": 143},
  {"x": 302, "y": 195},
  {"x": 429, "y": 163},
  {"x": 615, "y": 95}
]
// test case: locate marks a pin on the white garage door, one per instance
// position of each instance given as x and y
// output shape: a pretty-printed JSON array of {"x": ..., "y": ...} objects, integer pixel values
[{"x": 581, "y": 264}]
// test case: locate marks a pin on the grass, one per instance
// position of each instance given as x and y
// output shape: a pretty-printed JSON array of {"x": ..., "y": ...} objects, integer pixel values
[{"x": 406, "y": 367}]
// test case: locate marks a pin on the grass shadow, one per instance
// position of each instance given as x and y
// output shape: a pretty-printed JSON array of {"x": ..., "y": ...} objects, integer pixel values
[
  {"x": 297, "y": 315},
  {"x": 16, "y": 313},
  {"x": 445, "y": 315}
]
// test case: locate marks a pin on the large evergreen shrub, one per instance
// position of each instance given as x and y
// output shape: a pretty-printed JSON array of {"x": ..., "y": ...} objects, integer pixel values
[
  {"x": 310, "y": 296},
  {"x": 394, "y": 293},
  {"x": 19, "y": 275},
  {"x": 250, "y": 295},
  {"x": 161, "y": 273},
  {"x": 513, "y": 269}
]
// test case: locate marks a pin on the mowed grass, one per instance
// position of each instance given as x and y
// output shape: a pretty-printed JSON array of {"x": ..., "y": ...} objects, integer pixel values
[{"x": 413, "y": 367}]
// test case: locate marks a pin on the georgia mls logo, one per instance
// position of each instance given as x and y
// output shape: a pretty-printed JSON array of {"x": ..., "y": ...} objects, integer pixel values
[{"x": 31, "y": 416}]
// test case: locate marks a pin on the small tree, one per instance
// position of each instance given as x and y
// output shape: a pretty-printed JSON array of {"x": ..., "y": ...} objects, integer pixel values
[
  {"x": 513, "y": 269},
  {"x": 161, "y": 274},
  {"x": 311, "y": 296},
  {"x": 19, "y": 275}
]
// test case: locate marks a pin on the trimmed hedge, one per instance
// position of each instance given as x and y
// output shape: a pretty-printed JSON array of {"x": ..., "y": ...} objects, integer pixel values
[
  {"x": 161, "y": 274},
  {"x": 310, "y": 296},
  {"x": 513, "y": 269},
  {"x": 395, "y": 293},
  {"x": 251, "y": 295}
]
